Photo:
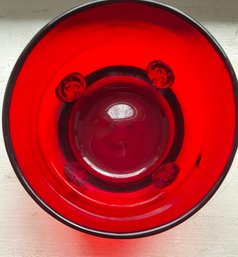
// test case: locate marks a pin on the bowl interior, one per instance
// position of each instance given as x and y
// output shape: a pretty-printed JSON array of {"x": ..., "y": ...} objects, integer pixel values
[{"x": 195, "y": 120}]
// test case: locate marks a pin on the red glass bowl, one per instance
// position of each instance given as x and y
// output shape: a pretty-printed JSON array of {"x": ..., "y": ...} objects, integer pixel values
[{"x": 120, "y": 118}]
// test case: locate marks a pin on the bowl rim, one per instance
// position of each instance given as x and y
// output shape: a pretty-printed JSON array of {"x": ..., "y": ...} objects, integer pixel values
[{"x": 6, "y": 126}]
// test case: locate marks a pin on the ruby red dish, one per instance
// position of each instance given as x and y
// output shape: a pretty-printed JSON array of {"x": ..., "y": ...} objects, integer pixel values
[{"x": 120, "y": 118}]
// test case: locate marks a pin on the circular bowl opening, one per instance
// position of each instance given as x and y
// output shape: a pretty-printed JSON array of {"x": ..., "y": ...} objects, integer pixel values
[{"x": 120, "y": 118}]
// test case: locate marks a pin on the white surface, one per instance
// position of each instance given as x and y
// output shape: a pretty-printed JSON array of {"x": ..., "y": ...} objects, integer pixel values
[{"x": 27, "y": 231}]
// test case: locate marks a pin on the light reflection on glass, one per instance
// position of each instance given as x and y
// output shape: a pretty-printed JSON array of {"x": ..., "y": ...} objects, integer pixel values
[{"x": 121, "y": 111}]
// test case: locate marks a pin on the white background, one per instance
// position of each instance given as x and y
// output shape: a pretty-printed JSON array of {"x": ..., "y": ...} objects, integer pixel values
[{"x": 27, "y": 231}]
